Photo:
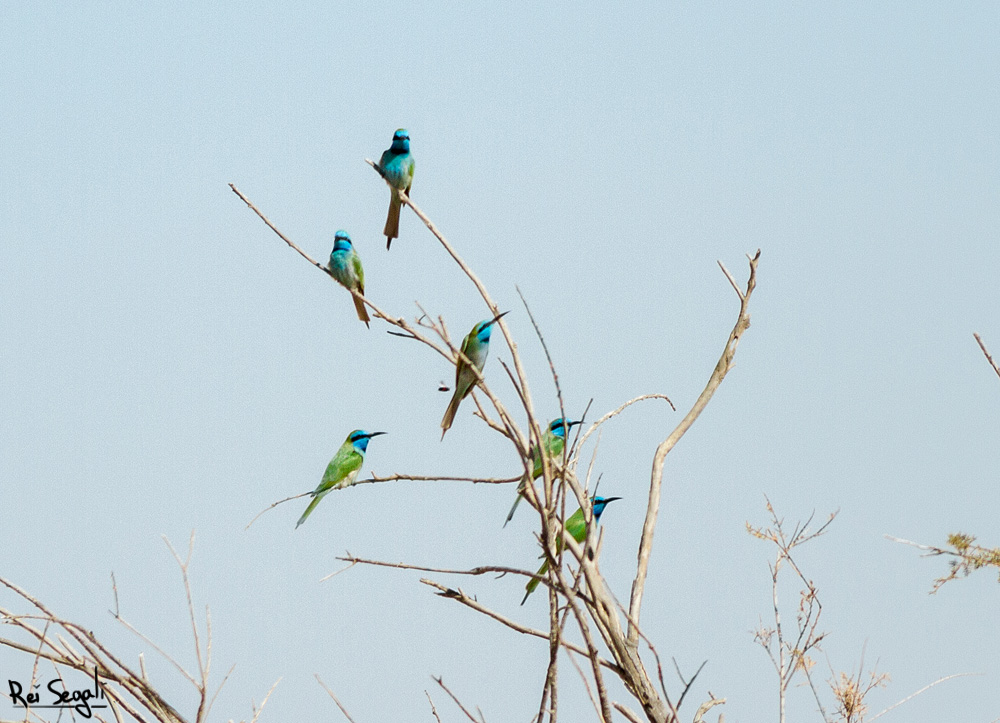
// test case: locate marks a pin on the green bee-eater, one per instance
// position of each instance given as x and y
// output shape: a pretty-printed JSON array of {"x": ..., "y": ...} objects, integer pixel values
[
  {"x": 345, "y": 265},
  {"x": 577, "y": 528},
  {"x": 553, "y": 442},
  {"x": 397, "y": 166},
  {"x": 476, "y": 347},
  {"x": 343, "y": 468}
]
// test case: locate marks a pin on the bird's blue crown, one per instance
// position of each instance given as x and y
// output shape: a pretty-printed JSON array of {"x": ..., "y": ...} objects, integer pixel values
[
  {"x": 341, "y": 241},
  {"x": 483, "y": 330},
  {"x": 558, "y": 426},
  {"x": 600, "y": 503},
  {"x": 360, "y": 438},
  {"x": 400, "y": 141}
]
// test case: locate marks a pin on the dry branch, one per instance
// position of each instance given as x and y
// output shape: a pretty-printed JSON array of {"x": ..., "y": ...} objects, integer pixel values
[{"x": 656, "y": 477}]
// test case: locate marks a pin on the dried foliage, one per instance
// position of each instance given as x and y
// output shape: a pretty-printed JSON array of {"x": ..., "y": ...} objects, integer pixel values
[{"x": 66, "y": 645}]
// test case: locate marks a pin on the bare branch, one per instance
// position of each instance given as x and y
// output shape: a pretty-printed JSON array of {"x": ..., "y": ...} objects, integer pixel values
[
  {"x": 988, "y": 357},
  {"x": 482, "y": 570},
  {"x": 257, "y": 711},
  {"x": 614, "y": 413},
  {"x": 436, "y": 478},
  {"x": 915, "y": 694},
  {"x": 490, "y": 304},
  {"x": 330, "y": 693},
  {"x": 273, "y": 505},
  {"x": 433, "y": 709},
  {"x": 440, "y": 682},
  {"x": 460, "y": 596},
  {"x": 705, "y": 707},
  {"x": 282, "y": 236},
  {"x": 656, "y": 477},
  {"x": 627, "y": 713}
]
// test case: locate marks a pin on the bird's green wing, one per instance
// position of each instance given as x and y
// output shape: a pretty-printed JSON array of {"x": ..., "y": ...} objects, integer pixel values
[
  {"x": 359, "y": 272},
  {"x": 576, "y": 526},
  {"x": 347, "y": 461}
]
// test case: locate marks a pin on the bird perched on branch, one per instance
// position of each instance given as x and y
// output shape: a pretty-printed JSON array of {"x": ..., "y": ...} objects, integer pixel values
[
  {"x": 475, "y": 347},
  {"x": 553, "y": 442},
  {"x": 396, "y": 167},
  {"x": 576, "y": 526},
  {"x": 345, "y": 266},
  {"x": 343, "y": 468}
]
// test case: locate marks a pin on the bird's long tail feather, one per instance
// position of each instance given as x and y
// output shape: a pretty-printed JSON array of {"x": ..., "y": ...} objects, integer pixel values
[
  {"x": 309, "y": 510},
  {"x": 362, "y": 311},
  {"x": 449, "y": 413},
  {"x": 517, "y": 500},
  {"x": 391, "y": 230},
  {"x": 533, "y": 582}
]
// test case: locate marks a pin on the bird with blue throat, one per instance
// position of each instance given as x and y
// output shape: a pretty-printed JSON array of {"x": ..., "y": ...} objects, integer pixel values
[
  {"x": 553, "y": 443},
  {"x": 475, "y": 348},
  {"x": 396, "y": 166},
  {"x": 343, "y": 468},
  {"x": 576, "y": 526},
  {"x": 345, "y": 267}
]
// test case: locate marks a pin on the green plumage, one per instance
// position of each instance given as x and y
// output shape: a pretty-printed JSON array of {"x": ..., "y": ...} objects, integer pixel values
[
  {"x": 475, "y": 348},
  {"x": 343, "y": 468},
  {"x": 553, "y": 442},
  {"x": 576, "y": 526}
]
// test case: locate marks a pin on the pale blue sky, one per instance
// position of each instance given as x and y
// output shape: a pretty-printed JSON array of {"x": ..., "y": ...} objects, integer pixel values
[{"x": 168, "y": 364}]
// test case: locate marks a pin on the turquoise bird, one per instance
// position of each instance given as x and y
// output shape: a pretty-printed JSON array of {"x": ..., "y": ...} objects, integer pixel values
[
  {"x": 396, "y": 167},
  {"x": 553, "y": 442},
  {"x": 476, "y": 347},
  {"x": 345, "y": 267},
  {"x": 343, "y": 468},
  {"x": 577, "y": 528}
]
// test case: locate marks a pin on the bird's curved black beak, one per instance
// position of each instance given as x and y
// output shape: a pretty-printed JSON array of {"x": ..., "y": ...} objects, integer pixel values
[
  {"x": 375, "y": 434},
  {"x": 611, "y": 499},
  {"x": 497, "y": 318}
]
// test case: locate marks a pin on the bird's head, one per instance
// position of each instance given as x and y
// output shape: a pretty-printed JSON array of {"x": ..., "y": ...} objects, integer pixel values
[
  {"x": 483, "y": 329},
  {"x": 600, "y": 503},
  {"x": 359, "y": 438},
  {"x": 401, "y": 141},
  {"x": 558, "y": 427},
  {"x": 341, "y": 241}
]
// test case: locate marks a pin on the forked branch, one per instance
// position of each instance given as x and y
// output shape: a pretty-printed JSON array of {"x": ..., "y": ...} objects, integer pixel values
[{"x": 656, "y": 477}]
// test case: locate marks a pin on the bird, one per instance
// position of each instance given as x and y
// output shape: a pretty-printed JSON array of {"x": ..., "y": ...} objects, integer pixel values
[
  {"x": 475, "y": 347},
  {"x": 396, "y": 167},
  {"x": 345, "y": 267},
  {"x": 343, "y": 468},
  {"x": 576, "y": 526},
  {"x": 553, "y": 442}
]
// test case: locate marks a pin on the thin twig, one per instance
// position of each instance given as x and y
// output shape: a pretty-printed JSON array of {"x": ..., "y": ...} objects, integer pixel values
[
  {"x": 330, "y": 693},
  {"x": 627, "y": 713},
  {"x": 461, "y": 597},
  {"x": 615, "y": 412},
  {"x": 257, "y": 711},
  {"x": 433, "y": 709},
  {"x": 440, "y": 682},
  {"x": 705, "y": 707},
  {"x": 481, "y": 570},
  {"x": 988, "y": 357},
  {"x": 436, "y": 478},
  {"x": 915, "y": 694},
  {"x": 273, "y": 505},
  {"x": 114, "y": 591},
  {"x": 282, "y": 236}
]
